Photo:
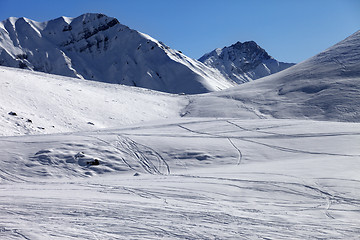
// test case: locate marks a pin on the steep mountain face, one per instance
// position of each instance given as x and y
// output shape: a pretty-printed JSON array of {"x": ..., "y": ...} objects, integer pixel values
[
  {"x": 243, "y": 62},
  {"x": 324, "y": 87},
  {"x": 97, "y": 47}
]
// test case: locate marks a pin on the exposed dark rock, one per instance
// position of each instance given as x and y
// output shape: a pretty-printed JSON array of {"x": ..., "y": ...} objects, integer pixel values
[
  {"x": 88, "y": 33},
  {"x": 95, "y": 162},
  {"x": 67, "y": 28},
  {"x": 22, "y": 65},
  {"x": 21, "y": 56}
]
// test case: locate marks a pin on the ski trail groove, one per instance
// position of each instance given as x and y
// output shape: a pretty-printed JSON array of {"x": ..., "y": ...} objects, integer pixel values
[
  {"x": 160, "y": 159},
  {"x": 134, "y": 148},
  {"x": 137, "y": 155},
  {"x": 6, "y": 176},
  {"x": 280, "y": 148},
  {"x": 239, "y": 151},
  {"x": 127, "y": 146},
  {"x": 328, "y": 208},
  {"x": 16, "y": 231},
  {"x": 292, "y": 150},
  {"x": 118, "y": 149}
]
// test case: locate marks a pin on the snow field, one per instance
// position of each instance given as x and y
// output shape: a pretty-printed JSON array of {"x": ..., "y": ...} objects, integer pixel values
[{"x": 185, "y": 179}]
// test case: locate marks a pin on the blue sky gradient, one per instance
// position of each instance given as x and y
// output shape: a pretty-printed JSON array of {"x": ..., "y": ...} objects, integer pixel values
[{"x": 289, "y": 30}]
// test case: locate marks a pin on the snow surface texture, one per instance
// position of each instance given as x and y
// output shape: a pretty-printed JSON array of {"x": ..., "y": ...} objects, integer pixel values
[
  {"x": 243, "y": 62},
  {"x": 324, "y": 87},
  {"x": 97, "y": 47},
  {"x": 188, "y": 179}
]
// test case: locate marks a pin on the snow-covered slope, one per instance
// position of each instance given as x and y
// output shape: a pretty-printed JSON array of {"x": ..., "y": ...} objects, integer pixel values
[
  {"x": 45, "y": 103},
  {"x": 184, "y": 179},
  {"x": 243, "y": 62},
  {"x": 97, "y": 47},
  {"x": 324, "y": 87}
]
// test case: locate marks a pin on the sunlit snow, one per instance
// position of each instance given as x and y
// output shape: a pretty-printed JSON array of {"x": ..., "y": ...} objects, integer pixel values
[{"x": 81, "y": 159}]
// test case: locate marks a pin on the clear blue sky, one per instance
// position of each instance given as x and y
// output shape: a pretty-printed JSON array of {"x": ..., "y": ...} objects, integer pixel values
[{"x": 290, "y": 30}]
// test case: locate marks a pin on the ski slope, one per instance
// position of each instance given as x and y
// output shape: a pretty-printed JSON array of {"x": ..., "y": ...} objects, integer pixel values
[{"x": 186, "y": 179}]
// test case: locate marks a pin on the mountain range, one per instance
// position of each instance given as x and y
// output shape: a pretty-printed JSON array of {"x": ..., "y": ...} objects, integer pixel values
[
  {"x": 97, "y": 47},
  {"x": 324, "y": 87},
  {"x": 274, "y": 158}
]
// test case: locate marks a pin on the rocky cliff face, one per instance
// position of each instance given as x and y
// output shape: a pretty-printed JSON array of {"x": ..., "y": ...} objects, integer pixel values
[
  {"x": 243, "y": 62},
  {"x": 97, "y": 47}
]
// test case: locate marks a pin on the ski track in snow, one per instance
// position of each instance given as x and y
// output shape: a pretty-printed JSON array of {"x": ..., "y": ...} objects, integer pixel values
[
  {"x": 179, "y": 207},
  {"x": 296, "y": 193},
  {"x": 135, "y": 149},
  {"x": 280, "y": 148},
  {"x": 240, "y": 154}
]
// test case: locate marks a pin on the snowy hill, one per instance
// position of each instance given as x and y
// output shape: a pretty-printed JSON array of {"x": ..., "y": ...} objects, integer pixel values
[
  {"x": 243, "y": 62},
  {"x": 324, "y": 87},
  {"x": 97, "y": 47},
  {"x": 45, "y": 103}
]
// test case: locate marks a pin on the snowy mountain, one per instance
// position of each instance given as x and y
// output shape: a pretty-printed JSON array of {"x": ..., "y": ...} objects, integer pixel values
[
  {"x": 97, "y": 47},
  {"x": 83, "y": 159},
  {"x": 243, "y": 62},
  {"x": 324, "y": 87},
  {"x": 124, "y": 165}
]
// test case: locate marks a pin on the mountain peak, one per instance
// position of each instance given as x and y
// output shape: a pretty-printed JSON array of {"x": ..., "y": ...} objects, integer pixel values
[
  {"x": 97, "y": 47},
  {"x": 243, "y": 62},
  {"x": 251, "y": 48},
  {"x": 239, "y": 44},
  {"x": 95, "y": 18}
]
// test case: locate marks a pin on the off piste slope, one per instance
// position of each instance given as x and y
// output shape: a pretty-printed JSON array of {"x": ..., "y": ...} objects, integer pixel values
[
  {"x": 324, "y": 87},
  {"x": 39, "y": 103},
  {"x": 97, "y": 47},
  {"x": 184, "y": 179},
  {"x": 243, "y": 62}
]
